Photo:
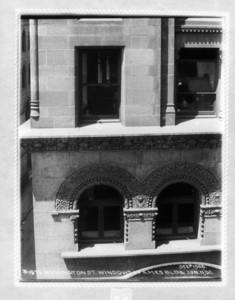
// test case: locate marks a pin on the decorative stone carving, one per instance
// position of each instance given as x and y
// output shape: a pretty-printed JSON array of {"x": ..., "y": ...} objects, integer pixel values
[
  {"x": 145, "y": 142},
  {"x": 194, "y": 174},
  {"x": 61, "y": 204},
  {"x": 114, "y": 176},
  {"x": 215, "y": 197},
  {"x": 210, "y": 211},
  {"x": 140, "y": 201},
  {"x": 140, "y": 213},
  {"x": 138, "y": 194}
]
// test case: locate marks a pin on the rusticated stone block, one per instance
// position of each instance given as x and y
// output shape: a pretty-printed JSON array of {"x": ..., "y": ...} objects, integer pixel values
[
  {"x": 64, "y": 122},
  {"x": 150, "y": 120},
  {"x": 140, "y": 57},
  {"x": 42, "y": 122},
  {"x": 53, "y": 42},
  {"x": 53, "y": 98},
  {"x": 60, "y": 83},
  {"x": 62, "y": 111}
]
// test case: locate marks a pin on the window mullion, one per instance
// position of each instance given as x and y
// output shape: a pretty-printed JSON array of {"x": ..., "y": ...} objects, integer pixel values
[
  {"x": 175, "y": 219},
  {"x": 101, "y": 221}
]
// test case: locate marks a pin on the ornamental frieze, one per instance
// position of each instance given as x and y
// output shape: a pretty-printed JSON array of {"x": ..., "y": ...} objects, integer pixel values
[{"x": 145, "y": 142}]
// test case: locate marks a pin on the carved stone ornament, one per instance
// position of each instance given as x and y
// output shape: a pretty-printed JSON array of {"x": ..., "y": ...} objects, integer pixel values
[
  {"x": 123, "y": 143},
  {"x": 140, "y": 201},
  {"x": 211, "y": 211},
  {"x": 114, "y": 176},
  {"x": 137, "y": 194},
  {"x": 215, "y": 197},
  {"x": 193, "y": 174},
  {"x": 140, "y": 213}
]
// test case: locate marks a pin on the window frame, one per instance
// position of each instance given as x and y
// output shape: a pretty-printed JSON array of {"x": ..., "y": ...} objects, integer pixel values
[
  {"x": 80, "y": 84},
  {"x": 176, "y": 201},
  {"x": 195, "y": 113},
  {"x": 100, "y": 204}
]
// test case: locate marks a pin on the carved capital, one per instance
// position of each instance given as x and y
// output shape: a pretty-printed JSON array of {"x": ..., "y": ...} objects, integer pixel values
[
  {"x": 210, "y": 211},
  {"x": 140, "y": 214}
]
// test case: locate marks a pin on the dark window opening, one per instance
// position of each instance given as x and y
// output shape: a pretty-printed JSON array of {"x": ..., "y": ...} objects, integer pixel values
[
  {"x": 177, "y": 212},
  {"x": 24, "y": 77},
  {"x": 23, "y": 41},
  {"x": 101, "y": 215},
  {"x": 197, "y": 81},
  {"x": 99, "y": 87}
]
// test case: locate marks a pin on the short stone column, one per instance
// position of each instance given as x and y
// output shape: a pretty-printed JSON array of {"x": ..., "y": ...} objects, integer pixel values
[
  {"x": 140, "y": 228},
  {"x": 65, "y": 217},
  {"x": 210, "y": 224},
  {"x": 34, "y": 80}
]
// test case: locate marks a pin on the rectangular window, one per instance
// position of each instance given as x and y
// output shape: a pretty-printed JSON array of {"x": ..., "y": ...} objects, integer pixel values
[
  {"x": 99, "y": 83},
  {"x": 197, "y": 81}
]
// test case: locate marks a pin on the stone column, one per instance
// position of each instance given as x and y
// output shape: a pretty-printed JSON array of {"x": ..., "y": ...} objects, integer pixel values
[
  {"x": 210, "y": 224},
  {"x": 140, "y": 228},
  {"x": 168, "y": 70},
  {"x": 34, "y": 80}
]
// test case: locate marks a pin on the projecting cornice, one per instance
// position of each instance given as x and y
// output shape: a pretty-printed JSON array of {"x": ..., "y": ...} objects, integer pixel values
[
  {"x": 199, "y": 25},
  {"x": 122, "y": 143}
]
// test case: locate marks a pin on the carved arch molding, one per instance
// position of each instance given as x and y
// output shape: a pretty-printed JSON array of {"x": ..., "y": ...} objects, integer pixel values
[{"x": 136, "y": 193}]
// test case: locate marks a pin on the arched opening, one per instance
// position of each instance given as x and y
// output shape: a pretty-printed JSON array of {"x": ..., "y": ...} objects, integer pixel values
[
  {"x": 101, "y": 215},
  {"x": 178, "y": 212}
]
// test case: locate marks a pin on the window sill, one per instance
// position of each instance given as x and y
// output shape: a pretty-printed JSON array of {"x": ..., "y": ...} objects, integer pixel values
[
  {"x": 203, "y": 126},
  {"x": 118, "y": 250}
]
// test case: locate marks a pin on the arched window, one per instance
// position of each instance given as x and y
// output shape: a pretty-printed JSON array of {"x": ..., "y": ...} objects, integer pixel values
[
  {"x": 101, "y": 215},
  {"x": 23, "y": 41},
  {"x": 24, "y": 77},
  {"x": 178, "y": 212}
]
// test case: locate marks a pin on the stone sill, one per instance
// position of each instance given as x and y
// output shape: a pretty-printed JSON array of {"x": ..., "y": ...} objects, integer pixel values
[
  {"x": 195, "y": 126},
  {"x": 118, "y": 250}
]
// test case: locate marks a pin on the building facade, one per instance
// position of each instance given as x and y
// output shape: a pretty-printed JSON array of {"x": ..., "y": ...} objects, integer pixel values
[{"x": 124, "y": 140}]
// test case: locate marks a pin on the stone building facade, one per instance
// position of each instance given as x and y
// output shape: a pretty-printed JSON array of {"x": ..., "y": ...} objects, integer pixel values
[{"x": 124, "y": 139}]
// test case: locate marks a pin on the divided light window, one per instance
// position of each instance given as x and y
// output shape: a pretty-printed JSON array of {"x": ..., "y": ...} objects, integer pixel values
[
  {"x": 99, "y": 83},
  {"x": 197, "y": 80}
]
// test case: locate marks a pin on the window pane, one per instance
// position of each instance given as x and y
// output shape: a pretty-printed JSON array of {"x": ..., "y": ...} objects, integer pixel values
[
  {"x": 102, "y": 66},
  {"x": 101, "y": 100},
  {"x": 89, "y": 222},
  {"x": 92, "y": 67},
  {"x": 164, "y": 224},
  {"x": 197, "y": 80},
  {"x": 185, "y": 218},
  {"x": 195, "y": 102},
  {"x": 112, "y": 218}
]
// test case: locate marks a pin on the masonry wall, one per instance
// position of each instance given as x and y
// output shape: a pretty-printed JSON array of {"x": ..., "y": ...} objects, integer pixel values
[
  {"x": 54, "y": 235},
  {"x": 58, "y": 40}
]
